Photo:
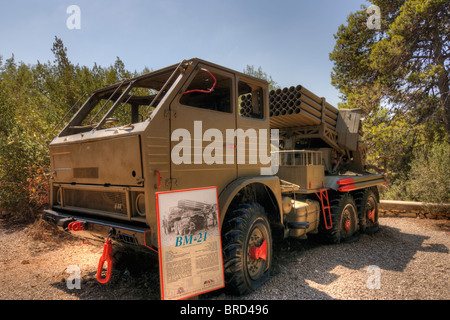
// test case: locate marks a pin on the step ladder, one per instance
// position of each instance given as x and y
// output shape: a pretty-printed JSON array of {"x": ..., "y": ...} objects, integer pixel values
[{"x": 323, "y": 195}]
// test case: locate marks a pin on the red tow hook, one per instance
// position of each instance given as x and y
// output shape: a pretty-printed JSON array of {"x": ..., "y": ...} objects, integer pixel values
[
  {"x": 259, "y": 252},
  {"x": 106, "y": 257},
  {"x": 76, "y": 226}
]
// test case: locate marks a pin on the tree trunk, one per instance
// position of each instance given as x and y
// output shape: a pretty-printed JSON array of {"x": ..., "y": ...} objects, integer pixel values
[{"x": 443, "y": 77}]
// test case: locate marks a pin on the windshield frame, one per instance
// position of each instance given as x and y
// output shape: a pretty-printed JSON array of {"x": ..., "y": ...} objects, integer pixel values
[{"x": 160, "y": 81}]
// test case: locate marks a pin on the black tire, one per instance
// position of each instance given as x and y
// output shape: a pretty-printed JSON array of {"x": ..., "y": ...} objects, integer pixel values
[
  {"x": 366, "y": 201},
  {"x": 344, "y": 220},
  {"x": 243, "y": 228}
]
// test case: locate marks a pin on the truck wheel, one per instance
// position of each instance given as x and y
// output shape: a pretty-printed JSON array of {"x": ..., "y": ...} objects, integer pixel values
[
  {"x": 367, "y": 205},
  {"x": 247, "y": 248},
  {"x": 345, "y": 219}
]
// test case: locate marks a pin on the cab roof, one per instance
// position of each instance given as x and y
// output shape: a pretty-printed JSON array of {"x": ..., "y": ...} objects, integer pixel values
[{"x": 157, "y": 82}]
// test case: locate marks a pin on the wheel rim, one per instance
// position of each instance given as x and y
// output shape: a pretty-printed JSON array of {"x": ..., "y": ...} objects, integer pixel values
[
  {"x": 348, "y": 221},
  {"x": 255, "y": 267},
  {"x": 370, "y": 213}
]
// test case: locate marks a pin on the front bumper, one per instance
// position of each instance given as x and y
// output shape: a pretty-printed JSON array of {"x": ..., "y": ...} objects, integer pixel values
[{"x": 99, "y": 230}]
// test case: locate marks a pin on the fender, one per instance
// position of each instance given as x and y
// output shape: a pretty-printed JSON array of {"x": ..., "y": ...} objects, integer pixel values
[
  {"x": 345, "y": 183},
  {"x": 229, "y": 192}
]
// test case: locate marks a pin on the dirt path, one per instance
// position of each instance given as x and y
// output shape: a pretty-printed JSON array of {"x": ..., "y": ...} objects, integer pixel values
[{"x": 412, "y": 255}]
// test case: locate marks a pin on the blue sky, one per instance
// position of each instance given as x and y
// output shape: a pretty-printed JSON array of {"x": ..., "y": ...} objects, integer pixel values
[{"x": 290, "y": 40}]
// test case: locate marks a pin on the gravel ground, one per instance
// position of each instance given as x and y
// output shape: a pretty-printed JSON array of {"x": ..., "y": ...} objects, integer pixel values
[{"x": 411, "y": 258}]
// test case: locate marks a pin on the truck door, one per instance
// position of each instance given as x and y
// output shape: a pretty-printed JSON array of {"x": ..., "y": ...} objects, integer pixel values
[
  {"x": 253, "y": 120},
  {"x": 200, "y": 117}
]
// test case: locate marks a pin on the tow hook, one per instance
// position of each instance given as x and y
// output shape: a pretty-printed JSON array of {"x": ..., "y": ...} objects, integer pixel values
[
  {"x": 106, "y": 257},
  {"x": 76, "y": 226}
]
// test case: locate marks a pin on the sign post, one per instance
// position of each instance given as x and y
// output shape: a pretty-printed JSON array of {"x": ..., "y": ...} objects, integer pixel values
[{"x": 190, "y": 248}]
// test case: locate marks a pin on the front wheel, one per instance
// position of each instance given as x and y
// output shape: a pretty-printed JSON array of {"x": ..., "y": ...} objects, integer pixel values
[{"x": 247, "y": 248}]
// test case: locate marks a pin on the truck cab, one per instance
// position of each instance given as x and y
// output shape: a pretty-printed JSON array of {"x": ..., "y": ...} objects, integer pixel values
[{"x": 115, "y": 152}]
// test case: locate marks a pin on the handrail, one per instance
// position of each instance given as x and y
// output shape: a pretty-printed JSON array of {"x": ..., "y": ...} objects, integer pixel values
[
  {"x": 163, "y": 87},
  {"x": 109, "y": 98},
  {"x": 204, "y": 91},
  {"x": 113, "y": 107},
  {"x": 67, "y": 113},
  {"x": 307, "y": 157}
]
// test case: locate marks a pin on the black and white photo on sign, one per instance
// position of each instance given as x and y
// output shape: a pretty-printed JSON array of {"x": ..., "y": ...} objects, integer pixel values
[{"x": 190, "y": 212}]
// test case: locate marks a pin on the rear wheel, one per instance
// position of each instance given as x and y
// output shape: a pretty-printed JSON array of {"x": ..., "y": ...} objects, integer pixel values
[
  {"x": 344, "y": 218},
  {"x": 367, "y": 205},
  {"x": 247, "y": 248}
]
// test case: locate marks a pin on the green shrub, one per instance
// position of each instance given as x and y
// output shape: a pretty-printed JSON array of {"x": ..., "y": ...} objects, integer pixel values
[
  {"x": 33, "y": 98},
  {"x": 429, "y": 178}
]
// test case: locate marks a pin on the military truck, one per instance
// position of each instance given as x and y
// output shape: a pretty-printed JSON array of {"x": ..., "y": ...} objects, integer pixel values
[
  {"x": 189, "y": 216},
  {"x": 165, "y": 130}
]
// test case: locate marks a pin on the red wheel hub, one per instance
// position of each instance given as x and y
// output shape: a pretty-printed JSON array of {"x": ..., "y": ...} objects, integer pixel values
[
  {"x": 347, "y": 225},
  {"x": 371, "y": 215},
  {"x": 259, "y": 252}
]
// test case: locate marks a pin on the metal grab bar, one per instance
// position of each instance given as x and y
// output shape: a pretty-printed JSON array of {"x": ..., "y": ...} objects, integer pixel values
[
  {"x": 67, "y": 113},
  {"x": 114, "y": 106},
  {"x": 163, "y": 87},
  {"x": 109, "y": 98}
]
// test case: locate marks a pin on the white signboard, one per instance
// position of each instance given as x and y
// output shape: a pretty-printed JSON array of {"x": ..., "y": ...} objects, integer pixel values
[{"x": 190, "y": 248}]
